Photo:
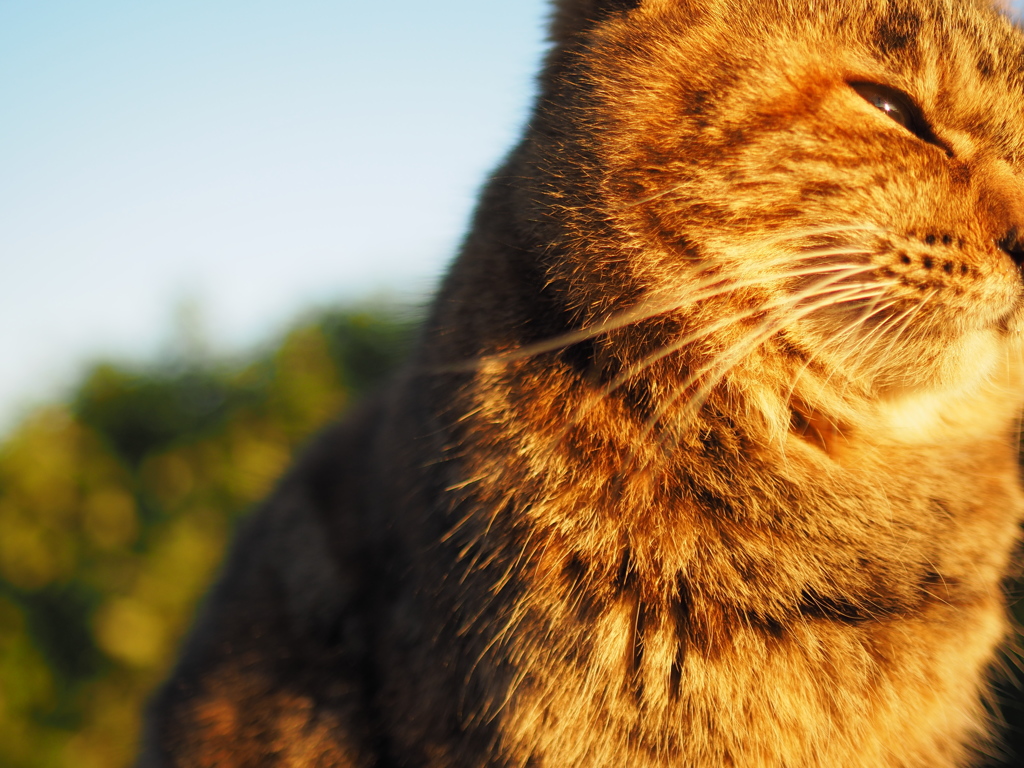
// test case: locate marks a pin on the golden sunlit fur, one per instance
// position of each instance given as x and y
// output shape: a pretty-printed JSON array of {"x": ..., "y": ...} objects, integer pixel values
[{"x": 708, "y": 454}]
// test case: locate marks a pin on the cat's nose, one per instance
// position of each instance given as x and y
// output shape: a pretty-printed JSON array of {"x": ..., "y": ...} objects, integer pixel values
[
  {"x": 1012, "y": 243},
  {"x": 1001, "y": 199}
]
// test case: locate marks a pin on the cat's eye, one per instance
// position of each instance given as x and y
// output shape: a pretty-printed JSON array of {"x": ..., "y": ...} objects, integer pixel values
[
  {"x": 892, "y": 103},
  {"x": 901, "y": 109}
]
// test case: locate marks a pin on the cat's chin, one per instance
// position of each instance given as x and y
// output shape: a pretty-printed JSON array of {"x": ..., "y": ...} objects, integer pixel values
[
  {"x": 933, "y": 397},
  {"x": 937, "y": 391},
  {"x": 940, "y": 365},
  {"x": 1011, "y": 323}
]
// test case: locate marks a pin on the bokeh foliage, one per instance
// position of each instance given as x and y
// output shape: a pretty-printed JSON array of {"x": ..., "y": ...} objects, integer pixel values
[{"x": 115, "y": 509}]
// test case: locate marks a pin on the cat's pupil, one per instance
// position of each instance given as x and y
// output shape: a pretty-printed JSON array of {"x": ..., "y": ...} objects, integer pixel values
[
  {"x": 888, "y": 102},
  {"x": 890, "y": 109}
]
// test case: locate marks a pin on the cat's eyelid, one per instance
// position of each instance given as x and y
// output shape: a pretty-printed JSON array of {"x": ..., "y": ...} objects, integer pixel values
[{"x": 914, "y": 120}]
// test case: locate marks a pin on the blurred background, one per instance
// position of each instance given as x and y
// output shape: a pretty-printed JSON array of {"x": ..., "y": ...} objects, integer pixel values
[
  {"x": 235, "y": 163},
  {"x": 220, "y": 223}
]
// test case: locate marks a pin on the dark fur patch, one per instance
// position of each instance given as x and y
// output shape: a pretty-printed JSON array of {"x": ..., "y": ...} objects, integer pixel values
[
  {"x": 696, "y": 103},
  {"x": 579, "y": 356},
  {"x": 940, "y": 508},
  {"x": 896, "y": 33},
  {"x": 679, "y": 613},
  {"x": 816, "y": 606},
  {"x": 772, "y": 629},
  {"x": 959, "y": 172},
  {"x": 603, "y": 8},
  {"x": 986, "y": 65},
  {"x": 574, "y": 570},
  {"x": 935, "y": 586},
  {"x": 636, "y": 658},
  {"x": 820, "y": 189},
  {"x": 626, "y": 577},
  {"x": 637, "y": 397},
  {"x": 841, "y": 610}
]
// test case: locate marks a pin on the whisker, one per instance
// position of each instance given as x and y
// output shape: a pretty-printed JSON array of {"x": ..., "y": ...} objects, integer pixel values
[
  {"x": 900, "y": 321},
  {"x": 766, "y": 330},
  {"x": 862, "y": 343},
  {"x": 873, "y": 309},
  {"x": 829, "y": 230},
  {"x": 865, "y": 341},
  {"x": 645, "y": 311},
  {"x": 647, "y": 198},
  {"x": 823, "y": 287},
  {"x": 714, "y": 327},
  {"x": 803, "y": 233},
  {"x": 905, "y": 325}
]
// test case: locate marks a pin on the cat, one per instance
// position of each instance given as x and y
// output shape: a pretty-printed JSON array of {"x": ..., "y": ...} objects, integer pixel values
[{"x": 707, "y": 454}]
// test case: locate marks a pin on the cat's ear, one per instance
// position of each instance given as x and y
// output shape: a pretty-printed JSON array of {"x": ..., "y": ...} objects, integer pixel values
[{"x": 570, "y": 17}]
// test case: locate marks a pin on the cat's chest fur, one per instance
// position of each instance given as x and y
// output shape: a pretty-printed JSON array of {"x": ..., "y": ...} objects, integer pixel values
[
  {"x": 708, "y": 453},
  {"x": 743, "y": 599}
]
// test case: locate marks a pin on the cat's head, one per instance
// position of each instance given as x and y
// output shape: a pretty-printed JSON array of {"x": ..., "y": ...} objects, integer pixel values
[{"x": 836, "y": 184}]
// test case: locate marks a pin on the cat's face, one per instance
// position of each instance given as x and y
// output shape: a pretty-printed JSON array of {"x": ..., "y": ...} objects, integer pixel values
[{"x": 843, "y": 181}]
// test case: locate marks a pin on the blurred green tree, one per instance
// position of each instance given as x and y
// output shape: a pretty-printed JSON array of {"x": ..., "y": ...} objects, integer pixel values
[{"x": 115, "y": 510}]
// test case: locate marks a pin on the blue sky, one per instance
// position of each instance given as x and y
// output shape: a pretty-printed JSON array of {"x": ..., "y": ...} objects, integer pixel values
[{"x": 248, "y": 158}]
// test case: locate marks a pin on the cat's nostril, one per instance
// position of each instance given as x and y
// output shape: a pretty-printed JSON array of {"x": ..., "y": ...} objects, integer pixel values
[{"x": 1012, "y": 244}]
